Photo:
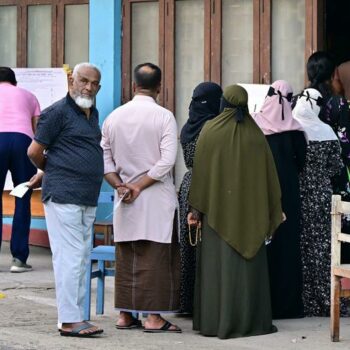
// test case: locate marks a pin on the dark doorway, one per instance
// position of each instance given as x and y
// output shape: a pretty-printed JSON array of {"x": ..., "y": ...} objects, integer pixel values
[{"x": 337, "y": 29}]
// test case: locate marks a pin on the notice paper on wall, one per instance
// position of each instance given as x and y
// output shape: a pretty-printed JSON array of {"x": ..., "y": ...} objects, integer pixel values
[
  {"x": 256, "y": 96},
  {"x": 47, "y": 84}
]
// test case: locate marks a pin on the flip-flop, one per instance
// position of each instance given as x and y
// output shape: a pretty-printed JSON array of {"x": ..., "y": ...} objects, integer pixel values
[
  {"x": 135, "y": 323},
  {"x": 164, "y": 329},
  {"x": 75, "y": 332}
]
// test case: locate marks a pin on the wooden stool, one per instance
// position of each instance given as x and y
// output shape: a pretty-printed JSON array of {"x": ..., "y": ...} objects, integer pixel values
[{"x": 105, "y": 228}]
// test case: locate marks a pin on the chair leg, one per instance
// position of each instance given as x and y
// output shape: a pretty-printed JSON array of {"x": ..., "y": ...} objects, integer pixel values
[
  {"x": 88, "y": 292},
  {"x": 100, "y": 288},
  {"x": 335, "y": 307}
]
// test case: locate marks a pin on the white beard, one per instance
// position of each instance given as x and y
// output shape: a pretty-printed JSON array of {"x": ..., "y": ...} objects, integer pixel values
[{"x": 83, "y": 102}]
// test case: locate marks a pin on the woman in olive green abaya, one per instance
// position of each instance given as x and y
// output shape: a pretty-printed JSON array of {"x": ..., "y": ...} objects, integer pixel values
[{"x": 235, "y": 196}]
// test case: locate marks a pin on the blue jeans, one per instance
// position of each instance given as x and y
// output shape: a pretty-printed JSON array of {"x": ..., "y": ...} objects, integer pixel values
[{"x": 13, "y": 158}]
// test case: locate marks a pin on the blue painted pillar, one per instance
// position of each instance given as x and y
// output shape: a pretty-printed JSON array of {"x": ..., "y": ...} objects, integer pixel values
[{"x": 105, "y": 52}]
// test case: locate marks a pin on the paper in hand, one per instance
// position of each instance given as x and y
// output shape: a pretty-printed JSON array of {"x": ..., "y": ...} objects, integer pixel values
[
  {"x": 20, "y": 190},
  {"x": 116, "y": 205},
  {"x": 119, "y": 201}
]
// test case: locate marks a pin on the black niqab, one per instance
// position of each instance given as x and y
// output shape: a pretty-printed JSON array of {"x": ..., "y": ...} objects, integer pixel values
[{"x": 204, "y": 106}]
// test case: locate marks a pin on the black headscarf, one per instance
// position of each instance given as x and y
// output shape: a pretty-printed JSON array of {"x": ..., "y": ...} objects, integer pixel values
[
  {"x": 240, "y": 110},
  {"x": 204, "y": 106}
]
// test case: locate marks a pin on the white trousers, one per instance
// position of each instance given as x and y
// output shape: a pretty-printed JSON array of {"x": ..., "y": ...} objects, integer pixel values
[{"x": 70, "y": 229}]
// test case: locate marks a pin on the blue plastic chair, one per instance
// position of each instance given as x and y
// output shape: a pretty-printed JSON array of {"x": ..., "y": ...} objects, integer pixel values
[{"x": 101, "y": 254}]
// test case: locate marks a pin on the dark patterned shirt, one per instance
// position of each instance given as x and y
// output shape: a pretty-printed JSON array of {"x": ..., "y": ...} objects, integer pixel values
[
  {"x": 74, "y": 165},
  {"x": 189, "y": 149},
  {"x": 336, "y": 113}
]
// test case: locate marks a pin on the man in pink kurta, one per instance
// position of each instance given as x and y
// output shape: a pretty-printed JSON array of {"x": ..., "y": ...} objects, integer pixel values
[{"x": 139, "y": 140}]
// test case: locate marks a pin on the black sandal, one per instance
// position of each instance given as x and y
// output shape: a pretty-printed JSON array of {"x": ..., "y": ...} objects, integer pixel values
[{"x": 164, "y": 329}]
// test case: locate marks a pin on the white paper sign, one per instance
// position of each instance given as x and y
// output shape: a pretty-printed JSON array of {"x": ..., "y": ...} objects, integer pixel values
[
  {"x": 256, "y": 96},
  {"x": 47, "y": 84}
]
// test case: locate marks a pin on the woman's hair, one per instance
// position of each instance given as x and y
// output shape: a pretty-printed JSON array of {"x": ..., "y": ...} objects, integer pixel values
[{"x": 320, "y": 68}]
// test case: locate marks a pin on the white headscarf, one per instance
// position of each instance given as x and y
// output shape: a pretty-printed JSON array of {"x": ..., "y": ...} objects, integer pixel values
[{"x": 306, "y": 112}]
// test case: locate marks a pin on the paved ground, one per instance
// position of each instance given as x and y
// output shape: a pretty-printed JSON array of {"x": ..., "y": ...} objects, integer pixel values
[{"x": 28, "y": 321}]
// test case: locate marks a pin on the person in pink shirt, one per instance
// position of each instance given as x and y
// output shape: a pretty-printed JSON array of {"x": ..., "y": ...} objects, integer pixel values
[{"x": 19, "y": 112}]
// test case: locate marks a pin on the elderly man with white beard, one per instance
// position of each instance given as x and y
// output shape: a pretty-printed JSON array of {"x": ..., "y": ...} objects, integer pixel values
[{"x": 67, "y": 148}]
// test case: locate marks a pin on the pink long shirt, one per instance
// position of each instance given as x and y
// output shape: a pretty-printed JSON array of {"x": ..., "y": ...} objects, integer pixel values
[
  {"x": 17, "y": 108},
  {"x": 140, "y": 138}
]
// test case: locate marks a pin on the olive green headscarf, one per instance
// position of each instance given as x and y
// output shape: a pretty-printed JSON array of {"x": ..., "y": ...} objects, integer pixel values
[{"x": 234, "y": 179}]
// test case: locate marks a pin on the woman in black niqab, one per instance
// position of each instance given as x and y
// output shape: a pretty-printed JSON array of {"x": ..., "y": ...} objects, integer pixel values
[{"x": 204, "y": 106}]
